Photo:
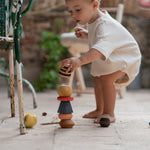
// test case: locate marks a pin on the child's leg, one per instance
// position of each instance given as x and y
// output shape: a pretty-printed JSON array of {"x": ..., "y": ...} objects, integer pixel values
[
  {"x": 109, "y": 95},
  {"x": 99, "y": 99}
]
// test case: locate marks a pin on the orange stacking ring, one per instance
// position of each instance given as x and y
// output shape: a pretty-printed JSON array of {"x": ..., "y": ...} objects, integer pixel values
[{"x": 65, "y": 116}]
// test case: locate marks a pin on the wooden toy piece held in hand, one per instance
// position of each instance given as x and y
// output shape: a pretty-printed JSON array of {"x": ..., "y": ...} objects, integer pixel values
[{"x": 63, "y": 73}]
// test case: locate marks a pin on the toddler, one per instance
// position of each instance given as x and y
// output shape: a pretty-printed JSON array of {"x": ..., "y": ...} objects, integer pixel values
[{"x": 114, "y": 54}]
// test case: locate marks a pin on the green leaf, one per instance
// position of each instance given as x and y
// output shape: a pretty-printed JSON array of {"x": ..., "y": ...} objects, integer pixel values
[{"x": 54, "y": 52}]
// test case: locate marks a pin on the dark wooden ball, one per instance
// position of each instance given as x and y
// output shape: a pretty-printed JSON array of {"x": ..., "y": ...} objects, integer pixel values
[
  {"x": 104, "y": 122},
  {"x": 44, "y": 114}
]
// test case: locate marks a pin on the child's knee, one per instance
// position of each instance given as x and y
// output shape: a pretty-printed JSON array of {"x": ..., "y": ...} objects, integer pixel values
[{"x": 111, "y": 78}]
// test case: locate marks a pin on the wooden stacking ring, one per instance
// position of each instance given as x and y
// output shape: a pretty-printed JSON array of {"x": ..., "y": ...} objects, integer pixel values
[
  {"x": 65, "y": 116},
  {"x": 65, "y": 98}
]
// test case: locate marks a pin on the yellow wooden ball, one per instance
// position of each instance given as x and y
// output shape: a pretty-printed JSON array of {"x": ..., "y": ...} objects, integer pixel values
[
  {"x": 30, "y": 120},
  {"x": 64, "y": 90}
]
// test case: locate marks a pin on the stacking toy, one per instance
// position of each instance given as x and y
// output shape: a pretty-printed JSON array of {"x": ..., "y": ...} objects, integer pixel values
[
  {"x": 63, "y": 73},
  {"x": 65, "y": 109}
]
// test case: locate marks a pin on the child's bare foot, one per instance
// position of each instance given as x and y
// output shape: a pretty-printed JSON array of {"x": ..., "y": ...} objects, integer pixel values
[
  {"x": 112, "y": 118},
  {"x": 92, "y": 114}
]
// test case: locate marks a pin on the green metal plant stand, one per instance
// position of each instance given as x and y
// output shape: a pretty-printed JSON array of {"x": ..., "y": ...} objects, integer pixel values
[{"x": 10, "y": 31}]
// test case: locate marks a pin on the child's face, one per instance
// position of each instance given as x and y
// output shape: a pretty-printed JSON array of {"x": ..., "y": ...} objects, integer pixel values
[{"x": 82, "y": 11}]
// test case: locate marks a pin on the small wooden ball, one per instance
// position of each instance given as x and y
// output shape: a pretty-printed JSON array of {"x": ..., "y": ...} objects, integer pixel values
[
  {"x": 44, "y": 114},
  {"x": 104, "y": 122},
  {"x": 65, "y": 116}
]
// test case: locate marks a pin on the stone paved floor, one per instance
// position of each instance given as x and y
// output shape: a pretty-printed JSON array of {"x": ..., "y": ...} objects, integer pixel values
[{"x": 130, "y": 132}]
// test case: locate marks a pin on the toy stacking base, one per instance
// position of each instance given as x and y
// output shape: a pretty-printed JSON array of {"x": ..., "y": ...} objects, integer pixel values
[{"x": 67, "y": 123}]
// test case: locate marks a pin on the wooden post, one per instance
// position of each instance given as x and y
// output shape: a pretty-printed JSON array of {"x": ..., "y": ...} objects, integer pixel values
[
  {"x": 80, "y": 79},
  {"x": 119, "y": 14},
  {"x": 11, "y": 78},
  {"x": 71, "y": 79},
  {"x": 20, "y": 98},
  {"x": 78, "y": 71}
]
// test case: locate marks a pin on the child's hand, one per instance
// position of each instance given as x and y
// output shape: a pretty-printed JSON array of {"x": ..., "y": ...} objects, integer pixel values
[
  {"x": 81, "y": 33},
  {"x": 72, "y": 63}
]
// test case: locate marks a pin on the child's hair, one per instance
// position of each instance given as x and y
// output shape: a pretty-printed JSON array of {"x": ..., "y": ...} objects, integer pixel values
[{"x": 92, "y": 0}]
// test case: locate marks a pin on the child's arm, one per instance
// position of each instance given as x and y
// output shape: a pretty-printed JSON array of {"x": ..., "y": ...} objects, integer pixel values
[
  {"x": 81, "y": 33},
  {"x": 86, "y": 58}
]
